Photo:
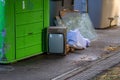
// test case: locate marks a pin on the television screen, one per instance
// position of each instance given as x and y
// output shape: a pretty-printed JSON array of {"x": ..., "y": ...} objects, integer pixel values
[{"x": 56, "y": 43}]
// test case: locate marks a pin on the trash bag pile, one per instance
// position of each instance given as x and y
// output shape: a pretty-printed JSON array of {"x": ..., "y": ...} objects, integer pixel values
[{"x": 80, "y": 31}]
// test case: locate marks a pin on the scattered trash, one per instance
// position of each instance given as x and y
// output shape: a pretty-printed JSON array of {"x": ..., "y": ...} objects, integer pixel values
[
  {"x": 75, "y": 39},
  {"x": 82, "y": 22},
  {"x": 70, "y": 49},
  {"x": 58, "y": 21},
  {"x": 89, "y": 58},
  {"x": 74, "y": 20},
  {"x": 86, "y": 57},
  {"x": 67, "y": 48},
  {"x": 80, "y": 31},
  {"x": 111, "y": 48}
]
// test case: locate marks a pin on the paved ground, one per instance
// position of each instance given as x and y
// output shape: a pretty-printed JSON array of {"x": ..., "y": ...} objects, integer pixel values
[
  {"x": 96, "y": 68},
  {"x": 112, "y": 73},
  {"x": 46, "y": 67}
]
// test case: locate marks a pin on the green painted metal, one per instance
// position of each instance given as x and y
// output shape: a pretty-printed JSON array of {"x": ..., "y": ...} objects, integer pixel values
[
  {"x": 25, "y": 23},
  {"x": 46, "y": 23},
  {"x": 2, "y": 30}
]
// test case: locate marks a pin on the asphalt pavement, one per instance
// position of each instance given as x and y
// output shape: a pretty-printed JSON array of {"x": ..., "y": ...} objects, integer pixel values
[{"x": 69, "y": 67}]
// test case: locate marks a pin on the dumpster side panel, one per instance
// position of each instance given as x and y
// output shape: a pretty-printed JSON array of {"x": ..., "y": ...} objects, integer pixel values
[{"x": 8, "y": 32}]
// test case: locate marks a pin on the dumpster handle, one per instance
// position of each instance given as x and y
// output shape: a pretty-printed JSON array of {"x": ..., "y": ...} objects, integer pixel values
[{"x": 23, "y": 4}]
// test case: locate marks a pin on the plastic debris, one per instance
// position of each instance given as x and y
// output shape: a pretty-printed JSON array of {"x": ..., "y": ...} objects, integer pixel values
[
  {"x": 82, "y": 22},
  {"x": 75, "y": 39},
  {"x": 80, "y": 31},
  {"x": 86, "y": 57},
  {"x": 111, "y": 48}
]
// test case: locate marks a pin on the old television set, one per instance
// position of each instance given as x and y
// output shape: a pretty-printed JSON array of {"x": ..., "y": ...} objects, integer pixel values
[{"x": 57, "y": 40}]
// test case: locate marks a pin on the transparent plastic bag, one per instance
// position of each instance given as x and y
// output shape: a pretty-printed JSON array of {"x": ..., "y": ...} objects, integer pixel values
[
  {"x": 81, "y": 22},
  {"x": 75, "y": 39}
]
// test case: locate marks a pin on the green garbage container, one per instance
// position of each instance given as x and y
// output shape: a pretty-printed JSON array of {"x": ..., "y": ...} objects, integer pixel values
[
  {"x": 2, "y": 25},
  {"x": 22, "y": 28}
]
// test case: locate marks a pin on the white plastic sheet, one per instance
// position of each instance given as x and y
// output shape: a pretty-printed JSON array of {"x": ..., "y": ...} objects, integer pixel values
[
  {"x": 75, "y": 39},
  {"x": 81, "y": 22}
]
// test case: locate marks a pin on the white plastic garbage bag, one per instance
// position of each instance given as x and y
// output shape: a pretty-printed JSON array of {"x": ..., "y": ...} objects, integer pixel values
[{"x": 75, "y": 39}]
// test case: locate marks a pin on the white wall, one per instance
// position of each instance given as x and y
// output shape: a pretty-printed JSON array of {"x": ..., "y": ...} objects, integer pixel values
[{"x": 118, "y": 10}]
